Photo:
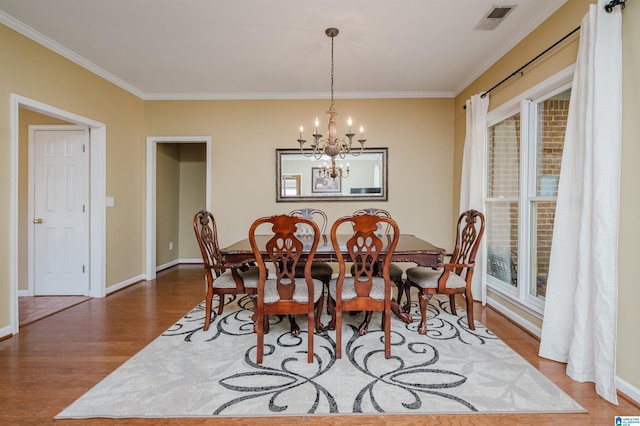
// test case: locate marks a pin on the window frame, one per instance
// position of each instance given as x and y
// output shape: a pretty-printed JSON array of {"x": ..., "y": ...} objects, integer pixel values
[{"x": 526, "y": 105}]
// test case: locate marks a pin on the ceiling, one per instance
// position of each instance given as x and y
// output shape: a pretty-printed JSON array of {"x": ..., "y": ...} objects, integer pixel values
[{"x": 277, "y": 49}]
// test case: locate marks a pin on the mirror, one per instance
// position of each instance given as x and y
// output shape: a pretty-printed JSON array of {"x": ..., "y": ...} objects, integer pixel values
[{"x": 299, "y": 178}]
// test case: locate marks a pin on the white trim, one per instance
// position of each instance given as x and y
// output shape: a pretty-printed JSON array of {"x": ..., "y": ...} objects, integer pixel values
[
  {"x": 97, "y": 225},
  {"x": 25, "y": 293},
  {"x": 554, "y": 84},
  {"x": 514, "y": 317},
  {"x": 45, "y": 41},
  {"x": 167, "y": 265},
  {"x": 6, "y": 332},
  {"x": 152, "y": 149},
  {"x": 125, "y": 283},
  {"x": 295, "y": 95},
  {"x": 628, "y": 389}
]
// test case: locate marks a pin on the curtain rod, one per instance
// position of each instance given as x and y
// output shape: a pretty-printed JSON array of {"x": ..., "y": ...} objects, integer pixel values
[
  {"x": 608, "y": 8},
  {"x": 519, "y": 70}
]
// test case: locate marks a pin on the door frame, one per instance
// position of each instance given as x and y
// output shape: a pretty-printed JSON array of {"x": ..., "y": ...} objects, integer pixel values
[
  {"x": 97, "y": 191},
  {"x": 152, "y": 151},
  {"x": 31, "y": 261}
]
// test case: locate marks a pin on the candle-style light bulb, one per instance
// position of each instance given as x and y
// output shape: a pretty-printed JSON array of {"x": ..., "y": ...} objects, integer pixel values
[
  {"x": 301, "y": 129},
  {"x": 361, "y": 132},
  {"x": 317, "y": 122},
  {"x": 349, "y": 122}
]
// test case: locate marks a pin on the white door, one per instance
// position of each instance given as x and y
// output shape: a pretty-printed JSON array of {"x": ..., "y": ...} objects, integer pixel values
[{"x": 60, "y": 215}]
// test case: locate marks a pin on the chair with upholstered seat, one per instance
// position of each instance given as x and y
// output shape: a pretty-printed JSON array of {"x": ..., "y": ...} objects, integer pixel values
[
  {"x": 395, "y": 272},
  {"x": 220, "y": 278},
  {"x": 453, "y": 277},
  {"x": 364, "y": 290},
  {"x": 319, "y": 270},
  {"x": 285, "y": 294}
]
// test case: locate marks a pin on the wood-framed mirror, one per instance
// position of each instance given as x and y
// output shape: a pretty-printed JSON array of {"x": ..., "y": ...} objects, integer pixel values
[{"x": 299, "y": 177}]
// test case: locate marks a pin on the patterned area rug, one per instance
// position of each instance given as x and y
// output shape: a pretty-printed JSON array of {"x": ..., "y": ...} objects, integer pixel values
[{"x": 190, "y": 373}]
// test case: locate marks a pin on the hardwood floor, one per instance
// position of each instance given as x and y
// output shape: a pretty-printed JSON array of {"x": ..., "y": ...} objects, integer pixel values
[
  {"x": 34, "y": 308},
  {"x": 55, "y": 360}
]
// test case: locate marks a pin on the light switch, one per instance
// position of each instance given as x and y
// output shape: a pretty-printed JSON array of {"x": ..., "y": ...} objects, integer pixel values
[{"x": 109, "y": 202}]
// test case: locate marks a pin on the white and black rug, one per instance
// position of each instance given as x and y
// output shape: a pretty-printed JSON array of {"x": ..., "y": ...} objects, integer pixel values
[{"x": 189, "y": 373}]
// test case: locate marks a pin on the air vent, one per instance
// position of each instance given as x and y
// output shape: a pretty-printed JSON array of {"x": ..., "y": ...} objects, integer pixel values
[{"x": 494, "y": 17}]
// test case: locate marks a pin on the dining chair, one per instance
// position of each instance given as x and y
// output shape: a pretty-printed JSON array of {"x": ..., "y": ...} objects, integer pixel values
[
  {"x": 284, "y": 293},
  {"x": 453, "y": 277},
  {"x": 364, "y": 290},
  {"x": 319, "y": 270},
  {"x": 220, "y": 277},
  {"x": 395, "y": 271}
]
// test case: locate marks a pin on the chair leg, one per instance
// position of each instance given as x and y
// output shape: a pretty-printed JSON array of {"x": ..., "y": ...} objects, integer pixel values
[
  {"x": 318, "y": 311},
  {"x": 407, "y": 306},
  {"x": 469, "y": 298},
  {"x": 364, "y": 327},
  {"x": 260, "y": 333},
  {"x": 386, "y": 326},
  {"x": 338, "y": 328},
  {"x": 400, "y": 286},
  {"x": 220, "y": 303},
  {"x": 423, "y": 299},
  {"x": 331, "y": 304},
  {"x": 295, "y": 329},
  {"x": 452, "y": 304},
  {"x": 207, "y": 306},
  {"x": 310, "y": 321}
]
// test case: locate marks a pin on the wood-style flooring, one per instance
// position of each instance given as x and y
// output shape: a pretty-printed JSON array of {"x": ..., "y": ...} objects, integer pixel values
[
  {"x": 53, "y": 361},
  {"x": 34, "y": 308}
]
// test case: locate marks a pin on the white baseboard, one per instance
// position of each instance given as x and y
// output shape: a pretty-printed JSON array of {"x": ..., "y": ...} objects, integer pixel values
[
  {"x": 167, "y": 265},
  {"x": 5, "y": 332},
  {"x": 521, "y": 321},
  {"x": 628, "y": 389},
  {"x": 24, "y": 293},
  {"x": 197, "y": 260},
  {"x": 126, "y": 283}
]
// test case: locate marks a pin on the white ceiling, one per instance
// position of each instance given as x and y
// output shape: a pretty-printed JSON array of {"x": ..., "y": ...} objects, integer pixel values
[{"x": 271, "y": 49}]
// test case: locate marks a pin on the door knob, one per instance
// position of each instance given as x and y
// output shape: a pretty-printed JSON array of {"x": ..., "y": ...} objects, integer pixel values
[{"x": 37, "y": 221}]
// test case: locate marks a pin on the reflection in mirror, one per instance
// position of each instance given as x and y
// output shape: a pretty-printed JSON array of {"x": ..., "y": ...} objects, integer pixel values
[{"x": 300, "y": 178}]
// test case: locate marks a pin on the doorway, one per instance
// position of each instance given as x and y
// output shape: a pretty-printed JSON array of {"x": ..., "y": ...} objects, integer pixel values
[
  {"x": 152, "y": 198},
  {"x": 96, "y": 200}
]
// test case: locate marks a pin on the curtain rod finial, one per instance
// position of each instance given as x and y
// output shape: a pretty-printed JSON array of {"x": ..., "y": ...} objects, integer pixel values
[{"x": 613, "y": 3}]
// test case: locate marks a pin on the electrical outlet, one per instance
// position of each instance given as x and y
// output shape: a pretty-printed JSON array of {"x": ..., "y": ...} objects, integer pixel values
[{"x": 171, "y": 245}]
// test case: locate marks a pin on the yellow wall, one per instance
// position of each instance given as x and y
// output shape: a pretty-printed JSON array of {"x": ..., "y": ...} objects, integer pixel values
[
  {"x": 32, "y": 71},
  {"x": 193, "y": 173},
  {"x": 245, "y": 134},
  {"x": 167, "y": 202},
  {"x": 629, "y": 246}
]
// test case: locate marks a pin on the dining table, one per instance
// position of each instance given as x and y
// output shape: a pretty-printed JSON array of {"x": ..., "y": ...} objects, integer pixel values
[{"x": 409, "y": 249}]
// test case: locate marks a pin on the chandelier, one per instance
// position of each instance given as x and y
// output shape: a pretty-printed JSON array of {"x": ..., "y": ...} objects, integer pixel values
[{"x": 332, "y": 146}]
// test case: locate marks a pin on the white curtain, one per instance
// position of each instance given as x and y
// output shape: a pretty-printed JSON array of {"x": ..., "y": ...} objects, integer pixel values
[
  {"x": 473, "y": 177},
  {"x": 580, "y": 314}
]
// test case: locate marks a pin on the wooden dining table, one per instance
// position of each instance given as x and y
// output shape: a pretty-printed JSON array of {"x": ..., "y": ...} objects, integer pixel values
[{"x": 409, "y": 249}]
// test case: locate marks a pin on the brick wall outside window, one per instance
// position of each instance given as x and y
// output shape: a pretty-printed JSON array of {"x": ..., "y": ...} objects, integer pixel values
[{"x": 504, "y": 182}]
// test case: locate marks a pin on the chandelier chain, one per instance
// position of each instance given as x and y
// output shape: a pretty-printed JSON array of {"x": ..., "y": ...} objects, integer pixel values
[{"x": 331, "y": 106}]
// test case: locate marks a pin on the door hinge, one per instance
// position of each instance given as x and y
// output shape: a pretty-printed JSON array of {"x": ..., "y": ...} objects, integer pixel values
[
  {"x": 83, "y": 269},
  {"x": 83, "y": 208},
  {"x": 83, "y": 147}
]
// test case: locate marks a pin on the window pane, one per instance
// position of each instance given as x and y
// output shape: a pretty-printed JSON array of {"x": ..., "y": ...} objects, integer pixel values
[
  {"x": 504, "y": 158},
  {"x": 552, "y": 122},
  {"x": 502, "y": 241},
  {"x": 542, "y": 218}
]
